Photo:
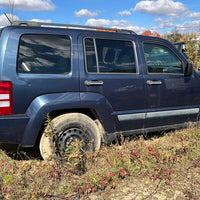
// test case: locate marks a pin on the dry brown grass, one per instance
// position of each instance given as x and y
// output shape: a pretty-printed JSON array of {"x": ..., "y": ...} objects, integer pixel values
[{"x": 159, "y": 167}]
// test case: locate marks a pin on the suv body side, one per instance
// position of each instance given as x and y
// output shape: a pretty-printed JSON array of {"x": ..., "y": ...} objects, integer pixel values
[
  {"x": 126, "y": 101},
  {"x": 146, "y": 101}
]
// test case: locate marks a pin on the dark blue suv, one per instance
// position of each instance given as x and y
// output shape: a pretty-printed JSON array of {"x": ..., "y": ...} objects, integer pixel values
[{"x": 94, "y": 83}]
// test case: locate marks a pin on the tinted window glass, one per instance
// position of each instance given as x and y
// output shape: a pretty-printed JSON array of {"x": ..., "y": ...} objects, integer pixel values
[
  {"x": 160, "y": 59},
  {"x": 44, "y": 54},
  {"x": 110, "y": 56},
  {"x": 90, "y": 55}
]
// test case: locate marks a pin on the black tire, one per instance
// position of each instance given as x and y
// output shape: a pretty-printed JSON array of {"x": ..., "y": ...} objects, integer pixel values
[{"x": 68, "y": 127}]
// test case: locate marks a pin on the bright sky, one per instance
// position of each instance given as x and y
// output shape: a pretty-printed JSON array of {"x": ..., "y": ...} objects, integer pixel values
[{"x": 137, "y": 15}]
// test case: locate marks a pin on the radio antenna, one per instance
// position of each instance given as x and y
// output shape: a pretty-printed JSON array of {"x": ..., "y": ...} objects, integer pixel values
[{"x": 7, "y": 18}]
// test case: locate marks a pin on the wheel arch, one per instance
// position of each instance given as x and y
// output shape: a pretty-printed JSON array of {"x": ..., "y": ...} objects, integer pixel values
[{"x": 48, "y": 105}]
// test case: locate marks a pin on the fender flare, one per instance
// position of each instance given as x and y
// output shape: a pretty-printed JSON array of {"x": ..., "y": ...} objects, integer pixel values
[{"x": 44, "y": 104}]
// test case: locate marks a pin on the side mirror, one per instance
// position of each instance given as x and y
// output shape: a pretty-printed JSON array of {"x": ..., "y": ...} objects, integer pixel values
[{"x": 188, "y": 69}]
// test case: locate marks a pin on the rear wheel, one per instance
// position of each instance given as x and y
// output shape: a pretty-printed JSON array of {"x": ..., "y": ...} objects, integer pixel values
[{"x": 67, "y": 129}]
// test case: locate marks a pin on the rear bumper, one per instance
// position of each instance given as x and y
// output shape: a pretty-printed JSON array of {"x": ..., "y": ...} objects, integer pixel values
[{"x": 12, "y": 128}]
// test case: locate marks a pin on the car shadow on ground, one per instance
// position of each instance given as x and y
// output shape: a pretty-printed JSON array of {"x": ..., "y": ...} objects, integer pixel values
[
  {"x": 16, "y": 152},
  {"x": 146, "y": 136}
]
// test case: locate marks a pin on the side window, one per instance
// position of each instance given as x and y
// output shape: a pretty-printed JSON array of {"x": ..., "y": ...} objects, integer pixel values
[
  {"x": 44, "y": 54},
  {"x": 109, "y": 56},
  {"x": 90, "y": 55},
  {"x": 160, "y": 59}
]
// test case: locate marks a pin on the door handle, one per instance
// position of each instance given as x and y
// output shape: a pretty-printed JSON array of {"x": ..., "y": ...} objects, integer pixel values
[
  {"x": 93, "y": 83},
  {"x": 150, "y": 82}
]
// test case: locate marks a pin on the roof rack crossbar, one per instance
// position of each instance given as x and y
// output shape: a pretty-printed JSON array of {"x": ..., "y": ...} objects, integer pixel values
[{"x": 55, "y": 25}]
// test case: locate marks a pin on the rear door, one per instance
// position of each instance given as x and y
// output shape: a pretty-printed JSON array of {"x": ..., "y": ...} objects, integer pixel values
[{"x": 111, "y": 69}]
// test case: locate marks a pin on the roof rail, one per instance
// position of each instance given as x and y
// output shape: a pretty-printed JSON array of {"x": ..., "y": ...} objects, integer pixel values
[{"x": 55, "y": 25}]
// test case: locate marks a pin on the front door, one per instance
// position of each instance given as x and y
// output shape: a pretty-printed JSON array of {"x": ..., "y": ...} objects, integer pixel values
[{"x": 173, "y": 99}]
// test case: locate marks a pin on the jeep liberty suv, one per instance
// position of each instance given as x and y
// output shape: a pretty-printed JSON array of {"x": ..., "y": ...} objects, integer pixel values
[{"x": 94, "y": 83}]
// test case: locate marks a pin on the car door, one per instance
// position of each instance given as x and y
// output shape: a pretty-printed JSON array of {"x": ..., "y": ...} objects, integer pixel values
[
  {"x": 111, "y": 69},
  {"x": 173, "y": 98}
]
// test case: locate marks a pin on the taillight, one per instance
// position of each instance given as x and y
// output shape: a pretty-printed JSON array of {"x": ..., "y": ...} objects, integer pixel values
[{"x": 6, "y": 106}]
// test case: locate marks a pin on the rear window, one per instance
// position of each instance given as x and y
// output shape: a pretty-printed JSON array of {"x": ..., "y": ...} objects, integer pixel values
[
  {"x": 44, "y": 54},
  {"x": 109, "y": 56}
]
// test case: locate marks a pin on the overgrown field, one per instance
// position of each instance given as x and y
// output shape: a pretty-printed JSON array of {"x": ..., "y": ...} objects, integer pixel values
[{"x": 164, "y": 167}]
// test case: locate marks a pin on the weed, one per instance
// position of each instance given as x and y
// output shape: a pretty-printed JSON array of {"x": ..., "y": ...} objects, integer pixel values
[
  {"x": 162, "y": 165},
  {"x": 8, "y": 179}
]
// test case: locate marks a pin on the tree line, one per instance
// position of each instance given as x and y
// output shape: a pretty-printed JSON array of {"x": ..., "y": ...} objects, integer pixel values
[{"x": 191, "y": 47}]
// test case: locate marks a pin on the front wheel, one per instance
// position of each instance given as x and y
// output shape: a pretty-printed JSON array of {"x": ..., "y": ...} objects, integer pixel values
[{"x": 67, "y": 129}]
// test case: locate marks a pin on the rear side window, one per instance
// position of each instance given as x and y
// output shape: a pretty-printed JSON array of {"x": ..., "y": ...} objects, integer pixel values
[
  {"x": 161, "y": 59},
  {"x": 44, "y": 54},
  {"x": 109, "y": 56}
]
